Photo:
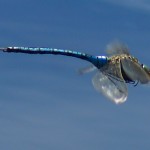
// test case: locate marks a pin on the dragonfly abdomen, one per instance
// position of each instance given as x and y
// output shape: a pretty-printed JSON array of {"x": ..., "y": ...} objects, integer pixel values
[{"x": 98, "y": 61}]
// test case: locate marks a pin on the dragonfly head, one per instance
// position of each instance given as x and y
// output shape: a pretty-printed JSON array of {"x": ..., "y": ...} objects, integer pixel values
[{"x": 146, "y": 68}]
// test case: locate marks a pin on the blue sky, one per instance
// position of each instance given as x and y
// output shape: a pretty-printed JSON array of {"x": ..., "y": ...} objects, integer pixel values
[{"x": 44, "y": 103}]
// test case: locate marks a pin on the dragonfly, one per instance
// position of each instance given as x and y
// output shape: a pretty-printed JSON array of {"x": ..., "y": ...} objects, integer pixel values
[{"x": 114, "y": 71}]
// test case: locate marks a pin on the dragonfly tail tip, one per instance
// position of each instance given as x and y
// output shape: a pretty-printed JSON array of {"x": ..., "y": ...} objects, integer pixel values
[{"x": 3, "y": 49}]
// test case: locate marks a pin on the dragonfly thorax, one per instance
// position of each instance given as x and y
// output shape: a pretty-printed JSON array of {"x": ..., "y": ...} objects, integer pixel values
[
  {"x": 119, "y": 61},
  {"x": 125, "y": 76},
  {"x": 133, "y": 71}
]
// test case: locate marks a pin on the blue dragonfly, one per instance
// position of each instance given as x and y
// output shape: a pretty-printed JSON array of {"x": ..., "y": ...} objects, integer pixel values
[{"x": 113, "y": 71}]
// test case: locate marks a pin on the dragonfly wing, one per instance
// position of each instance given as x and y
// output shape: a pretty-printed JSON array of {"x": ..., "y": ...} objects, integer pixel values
[
  {"x": 110, "y": 87},
  {"x": 135, "y": 71},
  {"x": 87, "y": 69},
  {"x": 116, "y": 48},
  {"x": 110, "y": 82}
]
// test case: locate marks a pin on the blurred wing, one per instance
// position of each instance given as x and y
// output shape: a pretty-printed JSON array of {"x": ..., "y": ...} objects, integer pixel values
[
  {"x": 135, "y": 71},
  {"x": 109, "y": 81},
  {"x": 110, "y": 87},
  {"x": 116, "y": 48},
  {"x": 87, "y": 69}
]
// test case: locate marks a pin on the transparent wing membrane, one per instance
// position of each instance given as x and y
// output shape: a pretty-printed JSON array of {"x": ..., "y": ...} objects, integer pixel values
[
  {"x": 87, "y": 69},
  {"x": 110, "y": 87},
  {"x": 116, "y": 48},
  {"x": 109, "y": 81}
]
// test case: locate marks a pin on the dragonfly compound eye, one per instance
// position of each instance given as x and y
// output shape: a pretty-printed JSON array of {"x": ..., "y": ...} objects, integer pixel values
[{"x": 147, "y": 69}]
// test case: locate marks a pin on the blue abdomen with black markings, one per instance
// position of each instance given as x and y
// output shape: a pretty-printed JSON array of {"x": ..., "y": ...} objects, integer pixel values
[{"x": 98, "y": 61}]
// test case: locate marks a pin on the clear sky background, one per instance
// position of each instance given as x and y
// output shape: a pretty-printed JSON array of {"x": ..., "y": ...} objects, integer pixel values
[{"x": 44, "y": 103}]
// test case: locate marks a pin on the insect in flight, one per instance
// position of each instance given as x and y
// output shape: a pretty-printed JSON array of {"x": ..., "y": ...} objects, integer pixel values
[{"x": 114, "y": 71}]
